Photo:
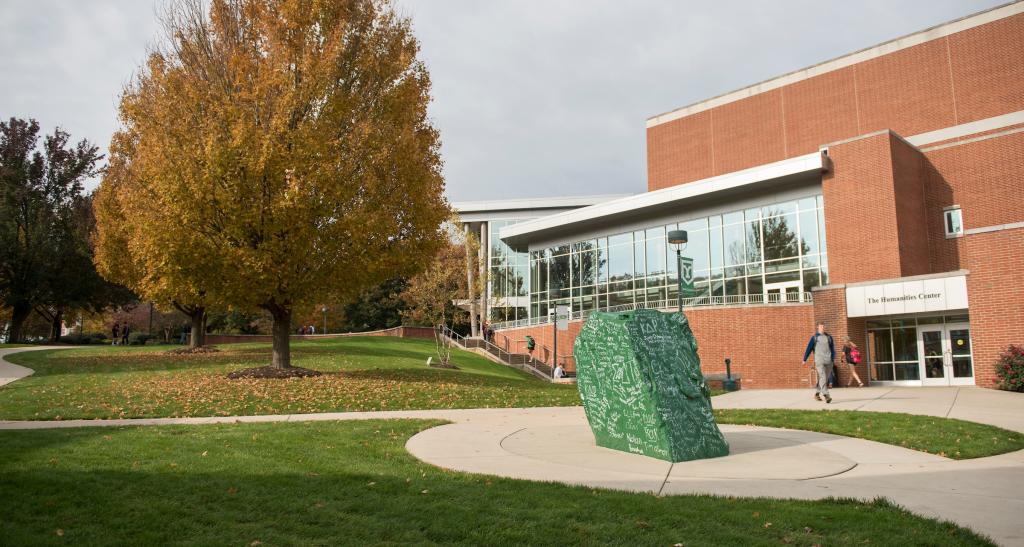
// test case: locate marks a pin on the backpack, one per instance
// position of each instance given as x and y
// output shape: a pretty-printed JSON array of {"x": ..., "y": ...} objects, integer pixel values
[{"x": 855, "y": 355}]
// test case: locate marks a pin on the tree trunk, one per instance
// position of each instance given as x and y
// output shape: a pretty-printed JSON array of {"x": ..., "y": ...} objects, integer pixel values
[
  {"x": 198, "y": 317},
  {"x": 19, "y": 313},
  {"x": 282, "y": 331},
  {"x": 55, "y": 326}
]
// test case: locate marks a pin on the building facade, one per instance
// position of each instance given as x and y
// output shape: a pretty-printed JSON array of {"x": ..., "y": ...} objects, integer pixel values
[
  {"x": 505, "y": 271},
  {"x": 878, "y": 193}
]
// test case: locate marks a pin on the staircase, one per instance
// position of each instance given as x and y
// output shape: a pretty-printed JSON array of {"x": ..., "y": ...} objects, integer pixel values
[{"x": 521, "y": 361}]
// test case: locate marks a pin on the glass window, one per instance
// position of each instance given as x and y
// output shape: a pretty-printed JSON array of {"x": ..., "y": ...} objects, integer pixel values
[
  {"x": 560, "y": 271},
  {"x": 656, "y": 249},
  {"x": 697, "y": 249},
  {"x": 881, "y": 345},
  {"x": 777, "y": 209},
  {"x": 807, "y": 204},
  {"x": 808, "y": 232},
  {"x": 734, "y": 217},
  {"x": 752, "y": 235},
  {"x": 780, "y": 239},
  {"x": 904, "y": 343},
  {"x": 954, "y": 222},
  {"x": 715, "y": 243},
  {"x": 735, "y": 287},
  {"x": 821, "y": 229},
  {"x": 638, "y": 255},
  {"x": 755, "y": 284},
  {"x": 735, "y": 251},
  {"x": 812, "y": 278}
]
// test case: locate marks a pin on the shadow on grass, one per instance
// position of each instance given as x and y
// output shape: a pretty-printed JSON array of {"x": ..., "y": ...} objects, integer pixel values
[{"x": 353, "y": 483}]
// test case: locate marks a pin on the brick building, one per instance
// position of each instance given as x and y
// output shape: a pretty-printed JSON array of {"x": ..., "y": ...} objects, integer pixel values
[{"x": 879, "y": 192}]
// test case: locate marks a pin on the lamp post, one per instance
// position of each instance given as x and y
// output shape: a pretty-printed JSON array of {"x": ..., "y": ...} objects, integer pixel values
[
  {"x": 324, "y": 309},
  {"x": 678, "y": 239}
]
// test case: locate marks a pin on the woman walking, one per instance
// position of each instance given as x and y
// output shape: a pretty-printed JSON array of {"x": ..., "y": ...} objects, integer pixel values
[{"x": 851, "y": 354}]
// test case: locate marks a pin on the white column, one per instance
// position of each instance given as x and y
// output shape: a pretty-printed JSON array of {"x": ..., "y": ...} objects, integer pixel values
[
  {"x": 485, "y": 265},
  {"x": 469, "y": 284}
]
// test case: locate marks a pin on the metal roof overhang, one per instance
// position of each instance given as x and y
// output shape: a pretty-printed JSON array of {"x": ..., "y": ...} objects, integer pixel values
[{"x": 658, "y": 202}]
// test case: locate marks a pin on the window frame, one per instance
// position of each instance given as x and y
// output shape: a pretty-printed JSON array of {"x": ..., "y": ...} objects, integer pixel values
[{"x": 946, "y": 212}]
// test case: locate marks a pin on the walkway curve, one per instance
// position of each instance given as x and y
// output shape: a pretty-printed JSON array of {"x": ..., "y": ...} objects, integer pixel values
[{"x": 554, "y": 444}]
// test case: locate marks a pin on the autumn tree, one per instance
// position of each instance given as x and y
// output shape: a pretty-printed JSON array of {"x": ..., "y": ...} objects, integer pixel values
[
  {"x": 280, "y": 154},
  {"x": 45, "y": 259},
  {"x": 431, "y": 295},
  {"x": 140, "y": 248}
]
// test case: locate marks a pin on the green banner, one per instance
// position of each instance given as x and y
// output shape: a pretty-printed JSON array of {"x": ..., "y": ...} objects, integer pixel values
[{"x": 686, "y": 277}]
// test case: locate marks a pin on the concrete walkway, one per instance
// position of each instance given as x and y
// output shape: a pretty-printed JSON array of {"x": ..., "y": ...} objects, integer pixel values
[
  {"x": 555, "y": 444},
  {"x": 10, "y": 372}
]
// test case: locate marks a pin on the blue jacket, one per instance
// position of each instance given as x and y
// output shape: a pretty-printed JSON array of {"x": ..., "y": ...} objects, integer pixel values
[{"x": 810, "y": 346}]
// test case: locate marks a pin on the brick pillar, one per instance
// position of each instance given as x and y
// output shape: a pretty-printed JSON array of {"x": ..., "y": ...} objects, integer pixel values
[
  {"x": 995, "y": 289},
  {"x": 875, "y": 209},
  {"x": 830, "y": 308}
]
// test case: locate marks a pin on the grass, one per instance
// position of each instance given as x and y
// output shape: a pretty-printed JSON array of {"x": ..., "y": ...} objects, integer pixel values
[
  {"x": 352, "y": 483},
  {"x": 956, "y": 439},
  {"x": 5, "y": 346},
  {"x": 362, "y": 373}
]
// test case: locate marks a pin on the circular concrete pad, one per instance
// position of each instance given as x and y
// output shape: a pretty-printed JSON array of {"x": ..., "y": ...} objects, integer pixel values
[{"x": 753, "y": 454}]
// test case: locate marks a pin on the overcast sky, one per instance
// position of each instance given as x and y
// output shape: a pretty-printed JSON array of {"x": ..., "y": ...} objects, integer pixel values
[{"x": 533, "y": 98}]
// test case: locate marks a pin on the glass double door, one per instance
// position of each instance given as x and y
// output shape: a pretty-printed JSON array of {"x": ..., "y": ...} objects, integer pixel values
[
  {"x": 945, "y": 352},
  {"x": 789, "y": 291}
]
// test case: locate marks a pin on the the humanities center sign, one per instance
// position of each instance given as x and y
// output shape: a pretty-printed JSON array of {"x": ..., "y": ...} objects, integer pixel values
[{"x": 913, "y": 295}]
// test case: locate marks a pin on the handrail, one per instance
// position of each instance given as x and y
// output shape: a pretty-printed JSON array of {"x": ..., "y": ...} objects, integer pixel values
[
  {"x": 502, "y": 355},
  {"x": 694, "y": 302}
]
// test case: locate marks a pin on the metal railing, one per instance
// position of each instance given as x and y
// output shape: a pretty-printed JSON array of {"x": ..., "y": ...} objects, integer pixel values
[
  {"x": 694, "y": 302},
  {"x": 520, "y": 361}
]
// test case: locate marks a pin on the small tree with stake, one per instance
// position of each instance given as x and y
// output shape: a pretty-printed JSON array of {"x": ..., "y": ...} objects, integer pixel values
[{"x": 431, "y": 294}]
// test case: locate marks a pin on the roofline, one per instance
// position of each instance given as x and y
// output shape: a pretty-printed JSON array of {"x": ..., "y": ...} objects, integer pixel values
[
  {"x": 562, "y": 202},
  {"x": 885, "y": 48},
  {"x": 518, "y": 234}
]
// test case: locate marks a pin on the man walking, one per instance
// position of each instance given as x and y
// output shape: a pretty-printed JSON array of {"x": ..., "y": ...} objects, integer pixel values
[{"x": 824, "y": 350}]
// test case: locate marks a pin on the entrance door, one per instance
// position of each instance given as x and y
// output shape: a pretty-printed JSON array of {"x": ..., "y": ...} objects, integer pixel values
[
  {"x": 960, "y": 360},
  {"x": 789, "y": 291},
  {"x": 945, "y": 352}
]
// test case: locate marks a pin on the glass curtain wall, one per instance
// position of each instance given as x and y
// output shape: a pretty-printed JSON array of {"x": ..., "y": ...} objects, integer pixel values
[
  {"x": 507, "y": 275},
  {"x": 734, "y": 254}
]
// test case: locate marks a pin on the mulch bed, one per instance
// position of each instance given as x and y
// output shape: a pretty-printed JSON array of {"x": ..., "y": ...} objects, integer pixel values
[
  {"x": 440, "y": 365},
  {"x": 269, "y": 372},
  {"x": 190, "y": 351}
]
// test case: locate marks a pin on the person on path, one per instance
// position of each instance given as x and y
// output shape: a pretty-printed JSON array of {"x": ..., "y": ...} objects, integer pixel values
[
  {"x": 124, "y": 334},
  {"x": 185, "y": 331},
  {"x": 114, "y": 332},
  {"x": 559, "y": 372},
  {"x": 851, "y": 354},
  {"x": 824, "y": 350}
]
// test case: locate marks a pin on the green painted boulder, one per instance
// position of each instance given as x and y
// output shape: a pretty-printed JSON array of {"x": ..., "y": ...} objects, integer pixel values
[{"x": 642, "y": 388}]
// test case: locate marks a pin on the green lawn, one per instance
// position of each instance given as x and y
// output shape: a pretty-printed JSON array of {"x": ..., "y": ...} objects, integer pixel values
[
  {"x": 956, "y": 439},
  {"x": 363, "y": 373},
  {"x": 352, "y": 483},
  {"x": 4, "y": 346}
]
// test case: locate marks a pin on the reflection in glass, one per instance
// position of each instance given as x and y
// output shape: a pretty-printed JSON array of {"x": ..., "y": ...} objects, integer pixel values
[{"x": 904, "y": 344}]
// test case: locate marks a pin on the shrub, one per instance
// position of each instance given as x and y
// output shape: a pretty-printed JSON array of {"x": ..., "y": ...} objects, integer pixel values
[
  {"x": 97, "y": 336},
  {"x": 1010, "y": 369},
  {"x": 139, "y": 338},
  {"x": 77, "y": 339}
]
